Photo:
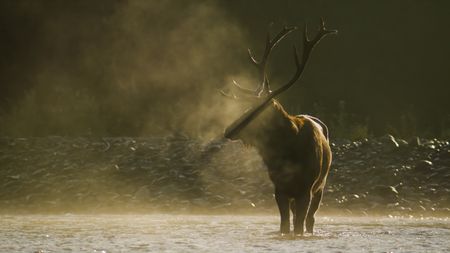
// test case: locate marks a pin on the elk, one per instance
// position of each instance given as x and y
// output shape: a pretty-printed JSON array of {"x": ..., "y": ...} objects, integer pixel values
[{"x": 295, "y": 149}]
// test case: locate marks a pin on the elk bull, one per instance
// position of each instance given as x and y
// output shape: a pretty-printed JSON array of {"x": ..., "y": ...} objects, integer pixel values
[{"x": 295, "y": 149}]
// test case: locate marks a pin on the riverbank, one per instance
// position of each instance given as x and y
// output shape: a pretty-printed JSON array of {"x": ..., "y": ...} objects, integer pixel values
[{"x": 176, "y": 174}]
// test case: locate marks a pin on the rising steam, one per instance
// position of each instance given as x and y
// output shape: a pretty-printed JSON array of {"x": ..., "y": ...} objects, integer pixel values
[{"x": 140, "y": 68}]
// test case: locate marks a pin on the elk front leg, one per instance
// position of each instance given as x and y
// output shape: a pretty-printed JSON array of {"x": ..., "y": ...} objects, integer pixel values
[
  {"x": 301, "y": 209},
  {"x": 283, "y": 207}
]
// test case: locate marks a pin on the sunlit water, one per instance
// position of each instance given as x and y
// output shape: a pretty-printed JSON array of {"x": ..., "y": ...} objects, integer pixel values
[{"x": 210, "y": 233}]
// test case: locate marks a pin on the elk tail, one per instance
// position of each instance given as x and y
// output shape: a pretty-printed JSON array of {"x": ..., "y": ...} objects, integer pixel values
[
  {"x": 325, "y": 167},
  {"x": 324, "y": 127},
  {"x": 324, "y": 153}
]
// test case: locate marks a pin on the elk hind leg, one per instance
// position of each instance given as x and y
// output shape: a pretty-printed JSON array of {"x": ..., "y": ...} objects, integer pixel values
[
  {"x": 292, "y": 206},
  {"x": 302, "y": 203},
  {"x": 315, "y": 202},
  {"x": 283, "y": 207}
]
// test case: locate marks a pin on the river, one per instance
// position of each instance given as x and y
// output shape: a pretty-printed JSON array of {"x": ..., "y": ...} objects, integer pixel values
[{"x": 218, "y": 233}]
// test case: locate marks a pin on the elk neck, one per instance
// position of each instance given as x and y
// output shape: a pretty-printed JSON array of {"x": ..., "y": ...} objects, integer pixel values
[{"x": 270, "y": 129}]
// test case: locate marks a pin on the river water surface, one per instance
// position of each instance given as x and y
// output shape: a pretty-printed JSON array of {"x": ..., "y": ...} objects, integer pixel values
[{"x": 217, "y": 233}]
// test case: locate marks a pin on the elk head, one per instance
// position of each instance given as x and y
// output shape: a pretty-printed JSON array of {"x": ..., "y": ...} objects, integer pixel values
[{"x": 263, "y": 95}]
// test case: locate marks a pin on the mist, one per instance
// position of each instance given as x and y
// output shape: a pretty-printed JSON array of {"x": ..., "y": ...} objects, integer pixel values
[{"x": 124, "y": 68}]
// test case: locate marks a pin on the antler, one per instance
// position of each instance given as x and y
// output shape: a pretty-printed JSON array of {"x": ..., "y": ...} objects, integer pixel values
[
  {"x": 263, "y": 88},
  {"x": 307, "y": 49},
  {"x": 262, "y": 64},
  {"x": 308, "y": 46}
]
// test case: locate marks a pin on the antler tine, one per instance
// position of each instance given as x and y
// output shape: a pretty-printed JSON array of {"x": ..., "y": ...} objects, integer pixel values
[
  {"x": 244, "y": 93},
  {"x": 308, "y": 46},
  {"x": 228, "y": 95},
  {"x": 261, "y": 64},
  {"x": 242, "y": 89}
]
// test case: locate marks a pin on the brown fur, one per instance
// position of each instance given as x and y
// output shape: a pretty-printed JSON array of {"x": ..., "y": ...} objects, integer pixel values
[{"x": 296, "y": 152}]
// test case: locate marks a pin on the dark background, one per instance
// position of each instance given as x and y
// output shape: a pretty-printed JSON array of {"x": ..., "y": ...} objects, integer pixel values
[{"x": 154, "y": 67}]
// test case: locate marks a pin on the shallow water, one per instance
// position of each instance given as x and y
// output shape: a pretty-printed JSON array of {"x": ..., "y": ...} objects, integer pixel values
[{"x": 217, "y": 233}]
